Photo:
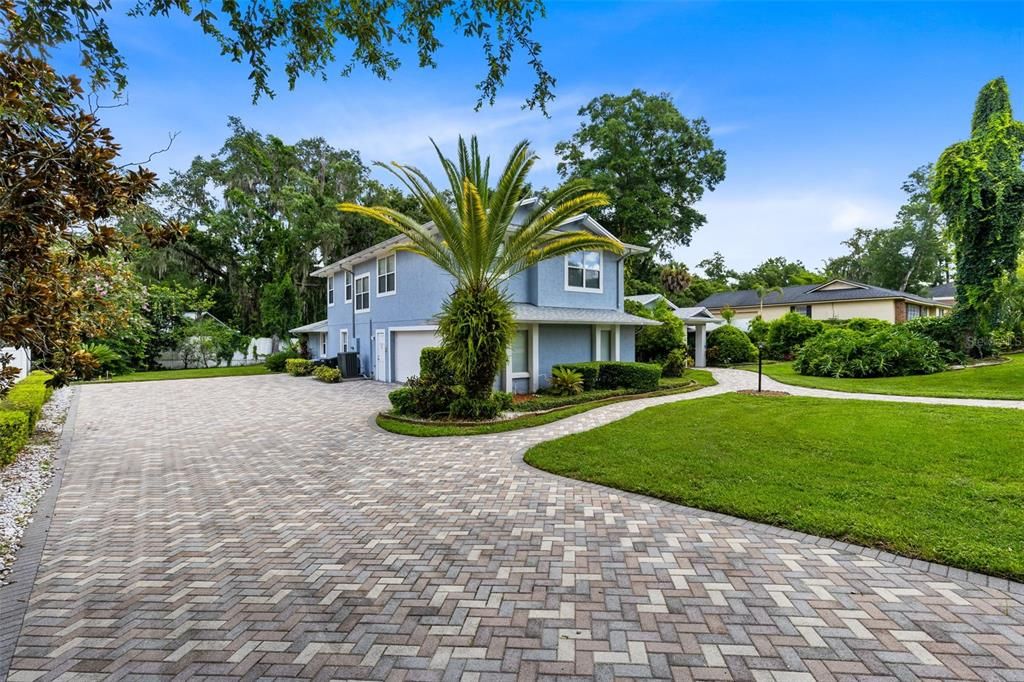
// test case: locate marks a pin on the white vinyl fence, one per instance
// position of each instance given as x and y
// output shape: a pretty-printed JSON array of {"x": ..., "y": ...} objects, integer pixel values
[
  {"x": 22, "y": 359},
  {"x": 257, "y": 352}
]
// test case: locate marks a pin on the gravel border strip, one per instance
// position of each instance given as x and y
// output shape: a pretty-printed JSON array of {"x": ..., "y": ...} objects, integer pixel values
[{"x": 14, "y": 597}]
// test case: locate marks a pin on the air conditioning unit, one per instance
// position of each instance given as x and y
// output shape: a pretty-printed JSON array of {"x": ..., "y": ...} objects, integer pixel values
[{"x": 348, "y": 363}]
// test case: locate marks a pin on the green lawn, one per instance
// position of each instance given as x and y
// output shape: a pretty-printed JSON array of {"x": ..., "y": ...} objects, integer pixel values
[
  {"x": 940, "y": 483},
  {"x": 694, "y": 379},
  {"x": 201, "y": 373},
  {"x": 993, "y": 381}
]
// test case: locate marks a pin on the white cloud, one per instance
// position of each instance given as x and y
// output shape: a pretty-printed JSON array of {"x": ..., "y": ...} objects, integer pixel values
[{"x": 806, "y": 224}]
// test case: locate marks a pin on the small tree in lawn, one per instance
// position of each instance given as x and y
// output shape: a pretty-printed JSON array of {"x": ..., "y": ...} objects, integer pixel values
[
  {"x": 979, "y": 183},
  {"x": 471, "y": 237}
]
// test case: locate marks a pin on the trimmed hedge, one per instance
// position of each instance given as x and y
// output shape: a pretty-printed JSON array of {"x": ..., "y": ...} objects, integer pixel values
[
  {"x": 613, "y": 374},
  {"x": 19, "y": 412},
  {"x": 13, "y": 435},
  {"x": 298, "y": 367},
  {"x": 587, "y": 370},
  {"x": 641, "y": 376}
]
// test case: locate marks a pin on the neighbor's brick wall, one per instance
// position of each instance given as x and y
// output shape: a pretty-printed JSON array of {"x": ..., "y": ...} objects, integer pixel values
[{"x": 901, "y": 312}]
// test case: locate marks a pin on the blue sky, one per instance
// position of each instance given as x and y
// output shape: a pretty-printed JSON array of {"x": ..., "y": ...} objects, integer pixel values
[{"x": 822, "y": 108}]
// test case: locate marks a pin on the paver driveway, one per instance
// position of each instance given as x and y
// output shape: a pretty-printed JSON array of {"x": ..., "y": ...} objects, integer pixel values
[{"x": 260, "y": 526}]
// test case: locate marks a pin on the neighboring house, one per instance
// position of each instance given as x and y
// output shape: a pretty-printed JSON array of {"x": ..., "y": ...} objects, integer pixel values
[
  {"x": 944, "y": 293},
  {"x": 698, "y": 319},
  {"x": 382, "y": 303},
  {"x": 836, "y": 299},
  {"x": 651, "y": 300},
  {"x": 22, "y": 359}
]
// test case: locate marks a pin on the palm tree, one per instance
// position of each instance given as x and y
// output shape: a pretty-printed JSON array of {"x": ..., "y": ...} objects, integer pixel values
[
  {"x": 471, "y": 237},
  {"x": 762, "y": 292}
]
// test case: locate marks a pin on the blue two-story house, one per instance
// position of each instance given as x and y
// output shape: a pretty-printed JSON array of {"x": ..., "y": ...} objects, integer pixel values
[{"x": 382, "y": 303}]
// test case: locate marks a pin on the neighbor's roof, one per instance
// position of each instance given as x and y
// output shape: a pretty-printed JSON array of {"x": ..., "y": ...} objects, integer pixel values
[
  {"x": 697, "y": 314},
  {"x": 388, "y": 245},
  {"x": 947, "y": 290},
  {"x": 527, "y": 312},
  {"x": 647, "y": 299},
  {"x": 809, "y": 293},
  {"x": 312, "y": 328}
]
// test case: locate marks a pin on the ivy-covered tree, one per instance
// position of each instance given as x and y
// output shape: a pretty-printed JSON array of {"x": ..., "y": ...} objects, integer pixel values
[
  {"x": 979, "y": 183},
  {"x": 652, "y": 162},
  {"x": 313, "y": 34}
]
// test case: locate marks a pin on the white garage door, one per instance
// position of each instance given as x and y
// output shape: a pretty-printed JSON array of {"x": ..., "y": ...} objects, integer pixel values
[{"x": 407, "y": 352}]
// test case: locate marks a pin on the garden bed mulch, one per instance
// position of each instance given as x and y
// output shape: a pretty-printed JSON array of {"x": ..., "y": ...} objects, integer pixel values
[
  {"x": 23, "y": 482},
  {"x": 767, "y": 394}
]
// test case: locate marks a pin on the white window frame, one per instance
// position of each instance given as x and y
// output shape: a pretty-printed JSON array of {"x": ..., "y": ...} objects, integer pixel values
[
  {"x": 600, "y": 272},
  {"x": 349, "y": 286},
  {"x": 323, "y": 345},
  {"x": 330, "y": 291},
  {"x": 613, "y": 339},
  {"x": 394, "y": 258},
  {"x": 343, "y": 341},
  {"x": 526, "y": 374},
  {"x": 356, "y": 294},
  {"x": 919, "y": 311}
]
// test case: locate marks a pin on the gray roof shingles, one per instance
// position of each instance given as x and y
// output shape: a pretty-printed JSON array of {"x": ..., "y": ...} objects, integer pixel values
[
  {"x": 526, "y": 312},
  {"x": 804, "y": 294}
]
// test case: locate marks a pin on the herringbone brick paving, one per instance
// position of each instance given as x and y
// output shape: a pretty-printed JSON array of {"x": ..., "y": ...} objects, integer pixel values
[{"x": 259, "y": 527}]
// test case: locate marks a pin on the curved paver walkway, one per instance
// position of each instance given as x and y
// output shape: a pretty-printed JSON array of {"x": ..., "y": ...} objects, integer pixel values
[
  {"x": 261, "y": 526},
  {"x": 746, "y": 379}
]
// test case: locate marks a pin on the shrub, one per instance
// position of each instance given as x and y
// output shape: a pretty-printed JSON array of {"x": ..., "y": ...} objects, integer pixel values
[
  {"x": 637, "y": 375},
  {"x": 299, "y": 367},
  {"x": 14, "y": 432},
  {"x": 947, "y": 331},
  {"x": 106, "y": 358},
  {"x": 654, "y": 343},
  {"x": 504, "y": 400},
  {"x": 275, "y": 361},
  {"x": 758, "y": 331},
  {"x": 28, "y": 396},
  {"x": 566, "y": 381},
  {"x": 475, "y": 409},
  {"x": 728, "y": 345},
  {"x": 676, "y": 363},
  {"x": 434, "y": 366},
  {"x": 587, "y": 370},
  {"x": 403, "y": 400},
  {"x": 330, "y": 375},
  {"x": 895, "y": 351},
  {"x": 864, "y": 324},
  {"x": 786, "y": 334}
]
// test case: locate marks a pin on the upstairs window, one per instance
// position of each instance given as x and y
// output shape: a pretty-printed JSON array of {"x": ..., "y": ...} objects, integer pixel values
[
  {"x": 348, "y": 287},
  {"x": 583, "y": 271},
  {"x": 362, "y": 293},
  {"x": 330, "y": 290},
  {"x": 386, "y": 275}
]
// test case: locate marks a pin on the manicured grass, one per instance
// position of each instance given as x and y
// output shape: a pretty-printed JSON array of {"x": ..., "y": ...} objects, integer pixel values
[
  {"x": 940, "y": 483},
  {"x": 1004, "y": 381},
  {"x": 201, "y": 373},
  {"x": 693, "y": 380}
]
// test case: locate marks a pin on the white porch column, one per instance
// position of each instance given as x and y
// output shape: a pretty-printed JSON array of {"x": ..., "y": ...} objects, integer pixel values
[
  {"x": 699, "y": 339},
  {"x": 616, "y": 335},
  {"x": 534, "y": 355}
]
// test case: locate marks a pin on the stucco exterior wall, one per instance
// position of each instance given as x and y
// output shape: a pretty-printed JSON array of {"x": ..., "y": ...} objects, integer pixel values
[{"x": 884, "y": 309}]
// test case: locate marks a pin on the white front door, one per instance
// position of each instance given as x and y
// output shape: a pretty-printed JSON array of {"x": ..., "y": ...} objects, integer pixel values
[{"x": 380, "y": 356}]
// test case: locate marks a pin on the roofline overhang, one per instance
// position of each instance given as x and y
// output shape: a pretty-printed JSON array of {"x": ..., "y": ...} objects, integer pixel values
[{"x": 745, "y": 308}]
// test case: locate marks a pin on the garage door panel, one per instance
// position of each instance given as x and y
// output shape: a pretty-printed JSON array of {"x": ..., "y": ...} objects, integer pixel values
[{"x": 407, "y": 347}]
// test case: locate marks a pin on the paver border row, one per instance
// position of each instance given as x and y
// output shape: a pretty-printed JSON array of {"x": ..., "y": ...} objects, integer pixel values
[{"x": 15, "y": 595}]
